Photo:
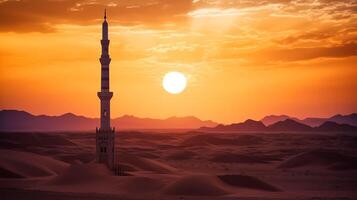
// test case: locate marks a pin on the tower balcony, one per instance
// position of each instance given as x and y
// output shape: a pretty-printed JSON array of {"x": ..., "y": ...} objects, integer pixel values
[
  {"x": 105, "y": 60},
  {"x": 105, "y": 95}
]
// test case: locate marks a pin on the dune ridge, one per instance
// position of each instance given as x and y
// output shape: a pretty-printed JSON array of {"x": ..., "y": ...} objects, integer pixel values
[
  {"x": 18, "y": 164},
  {"x": 81, "y": 174},
  {"x": 194, "y": 185},
  {"x": 326, "y": 158},
  {"x": 247, "y": 182},
  {"x": 146, "y": 164}
]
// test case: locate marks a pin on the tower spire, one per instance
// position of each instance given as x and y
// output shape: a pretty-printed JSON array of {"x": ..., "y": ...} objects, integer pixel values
[
  {"x": 105, "y": 26},
  {"x": 105, "y": 134}
]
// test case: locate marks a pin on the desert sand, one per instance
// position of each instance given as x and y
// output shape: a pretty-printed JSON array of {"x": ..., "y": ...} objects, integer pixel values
[{"x": 186, "y": 165}]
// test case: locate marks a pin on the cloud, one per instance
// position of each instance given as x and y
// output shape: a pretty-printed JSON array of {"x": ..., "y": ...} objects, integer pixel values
[
  {"x": 274, "y": 54},
  {"x": 187, "y": 30},
  {"x": 298, "y": 54},
  {"x": 43, "y": 15}
]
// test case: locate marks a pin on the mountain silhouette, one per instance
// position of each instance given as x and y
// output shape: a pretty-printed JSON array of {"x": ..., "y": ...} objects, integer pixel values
[
  {"x": 350, "y": 119},
  {"x": 189, "y": 122},
  {"x": 248, "y": 125},
  {"x": 272, "y": 119},
  {"x": 333, "y": 126},
  {"x": 289, "y": 125},
  {"x": 13, "y": 120}
]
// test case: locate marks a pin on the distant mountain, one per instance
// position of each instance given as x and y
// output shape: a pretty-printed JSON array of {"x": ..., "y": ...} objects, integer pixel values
[
  {"x": 350, "y": 119},
  {"x": 131, "y": 122},
  {"x": 289, "y": 125},
  {"x": 248, "y": 125},
  {"x": 313, "y": 121},
  {"x": 13, "y": 120},
  {"x": 333, "y": 126},
  {"x": 272, "y": 119}
]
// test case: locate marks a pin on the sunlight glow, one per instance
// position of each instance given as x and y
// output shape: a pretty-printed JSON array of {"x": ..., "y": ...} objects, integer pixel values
[{"x": 174, "y": 82}]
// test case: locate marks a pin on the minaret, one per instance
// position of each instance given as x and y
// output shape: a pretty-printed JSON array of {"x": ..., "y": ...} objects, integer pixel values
[{"x": 105, "y": 134}]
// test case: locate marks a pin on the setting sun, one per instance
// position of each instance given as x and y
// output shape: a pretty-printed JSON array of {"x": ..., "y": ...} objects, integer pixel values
[{"x": 174, "y": 82}]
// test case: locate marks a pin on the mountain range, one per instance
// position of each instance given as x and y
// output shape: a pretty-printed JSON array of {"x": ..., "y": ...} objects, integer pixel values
[
  {"x": 13, "y": 120},
  {"x": 350, "y": 119},
  {"x": 287, "y": 125}
]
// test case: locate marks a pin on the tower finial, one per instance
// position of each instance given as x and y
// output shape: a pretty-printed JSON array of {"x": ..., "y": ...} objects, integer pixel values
[{"x": 105, "y": 13}]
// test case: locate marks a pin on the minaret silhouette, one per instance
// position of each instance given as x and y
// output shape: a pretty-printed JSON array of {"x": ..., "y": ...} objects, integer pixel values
[{"x": 105, "y": 135}]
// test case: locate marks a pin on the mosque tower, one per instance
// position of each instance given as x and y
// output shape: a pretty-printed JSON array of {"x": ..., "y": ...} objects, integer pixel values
[{"x": 105, "y": 135}]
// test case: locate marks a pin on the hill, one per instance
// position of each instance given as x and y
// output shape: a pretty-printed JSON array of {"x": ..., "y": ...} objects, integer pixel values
[
  {"x": 248, "y": 125},
  {"x": 288, "y": 125},
  {"x": 333, "y": 126},
  {"x": 350, "y": 119},
  {"x": 13, "y": 120},
  {"x": 189, "y": 122},
  {"x": 272, "y": 119}
]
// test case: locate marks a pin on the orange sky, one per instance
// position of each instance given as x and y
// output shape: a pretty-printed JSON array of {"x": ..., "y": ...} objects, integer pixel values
[{"x": 243, "y": 59}]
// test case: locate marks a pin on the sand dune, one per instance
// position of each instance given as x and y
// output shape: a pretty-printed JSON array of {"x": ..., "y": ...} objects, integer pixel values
[
  {"x": 82, "y": 173},
  {"x": 329, "y": 159},
  {"x": 196, "y": 185},
  {"x": 146, "y": 164},
  {"x": 76, "y": 158},
  {"x": 97, "y": 178},
  {"x": 158, "y": 166},
  {"x": 247, "y": 182},
  {"x": 205, "y": 139},
  {"x": 215, "y": 186},
  {"x": 82, "y": 178},
  {"x": 16, "y": 164},
  {"x": 141, "y": 135},
  {"x": 181, "y": 155},
  {"x": 209, "y": 139},
  {"x": 241, "y": 158},
  {"x": 127, "y": 167},
  {"x": 249, "y": 140},
  {"x": 22, "y": 140},
  {"x": 141, "y": 184},
  {"x": 143, "y": 154}
]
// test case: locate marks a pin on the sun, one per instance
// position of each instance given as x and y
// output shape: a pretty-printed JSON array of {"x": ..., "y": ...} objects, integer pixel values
[{"x": 174, "y": 82}]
